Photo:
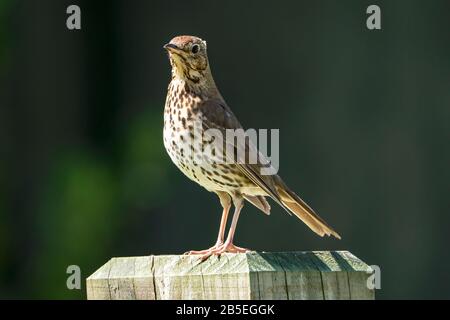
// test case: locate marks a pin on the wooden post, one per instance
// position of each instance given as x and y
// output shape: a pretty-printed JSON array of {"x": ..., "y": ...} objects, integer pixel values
[{"x": 284, "y": 275}]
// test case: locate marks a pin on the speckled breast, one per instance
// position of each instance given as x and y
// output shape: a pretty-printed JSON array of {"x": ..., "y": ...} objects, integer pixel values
[{"x": 186, "y": 143}]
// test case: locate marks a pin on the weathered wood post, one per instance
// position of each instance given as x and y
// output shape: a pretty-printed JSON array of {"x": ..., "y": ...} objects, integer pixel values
[{"x": 284, "y": 275}]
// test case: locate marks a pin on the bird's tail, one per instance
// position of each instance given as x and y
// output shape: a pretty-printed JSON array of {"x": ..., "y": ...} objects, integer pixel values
[{"x": 297, "y": 206}]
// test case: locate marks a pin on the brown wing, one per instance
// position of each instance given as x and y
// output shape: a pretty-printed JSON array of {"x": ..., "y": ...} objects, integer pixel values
[{"x": 217, "y": 115}]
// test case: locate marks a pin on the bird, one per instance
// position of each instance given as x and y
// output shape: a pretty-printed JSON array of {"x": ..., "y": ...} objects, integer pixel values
[{"x": 194, "y": 106}]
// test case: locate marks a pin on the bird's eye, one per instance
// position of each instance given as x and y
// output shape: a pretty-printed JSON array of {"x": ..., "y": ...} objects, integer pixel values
[{"x": 195, "y": 48}]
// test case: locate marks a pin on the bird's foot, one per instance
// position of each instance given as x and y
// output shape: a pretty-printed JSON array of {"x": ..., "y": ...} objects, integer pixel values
[
  {"x": 226, "y": 247},
  {"x": 197, "y": 252}
]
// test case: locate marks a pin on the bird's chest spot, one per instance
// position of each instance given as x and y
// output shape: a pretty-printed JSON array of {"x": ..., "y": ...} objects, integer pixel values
[{"x": 181, "y": 123}]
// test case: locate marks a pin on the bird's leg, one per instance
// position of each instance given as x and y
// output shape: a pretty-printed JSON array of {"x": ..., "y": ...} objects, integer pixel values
[
  {"x": 223, "y": 224},
  {"x": 228, "y": 246},
  {"x": 225, "y": 201},
  {"x": 220, "y": 237}
]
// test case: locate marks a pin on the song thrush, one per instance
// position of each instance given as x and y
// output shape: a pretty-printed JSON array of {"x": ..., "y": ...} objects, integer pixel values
[{"x": 193, "y": 106}]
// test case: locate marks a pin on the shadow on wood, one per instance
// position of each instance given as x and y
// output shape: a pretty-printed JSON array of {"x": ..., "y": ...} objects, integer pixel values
[{"x": 314, "y": 275}]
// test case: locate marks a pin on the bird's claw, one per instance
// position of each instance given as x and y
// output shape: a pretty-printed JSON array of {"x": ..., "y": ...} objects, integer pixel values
[
  {"x": 226, "y": 247},
  {"x": 217, "y": 250},
  {"x": 197, "y": 252}
]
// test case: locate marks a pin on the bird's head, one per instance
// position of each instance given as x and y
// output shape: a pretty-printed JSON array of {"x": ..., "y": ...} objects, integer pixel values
[{"x": 188, "y": 58}]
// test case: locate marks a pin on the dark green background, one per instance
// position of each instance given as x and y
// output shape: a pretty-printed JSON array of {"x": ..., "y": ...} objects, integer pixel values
[{"x": 363, "y": 118}]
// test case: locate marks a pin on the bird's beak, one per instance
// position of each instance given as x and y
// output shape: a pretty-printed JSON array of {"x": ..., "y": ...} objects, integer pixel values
[{"x": 171, "y": 47}]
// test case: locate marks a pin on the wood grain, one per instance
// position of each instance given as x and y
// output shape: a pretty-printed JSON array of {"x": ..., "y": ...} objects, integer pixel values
[{"x": 316, "y": 275}]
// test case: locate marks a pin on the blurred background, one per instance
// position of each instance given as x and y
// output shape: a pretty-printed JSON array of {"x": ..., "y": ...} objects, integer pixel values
[{"x": 364, "y": 119}]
